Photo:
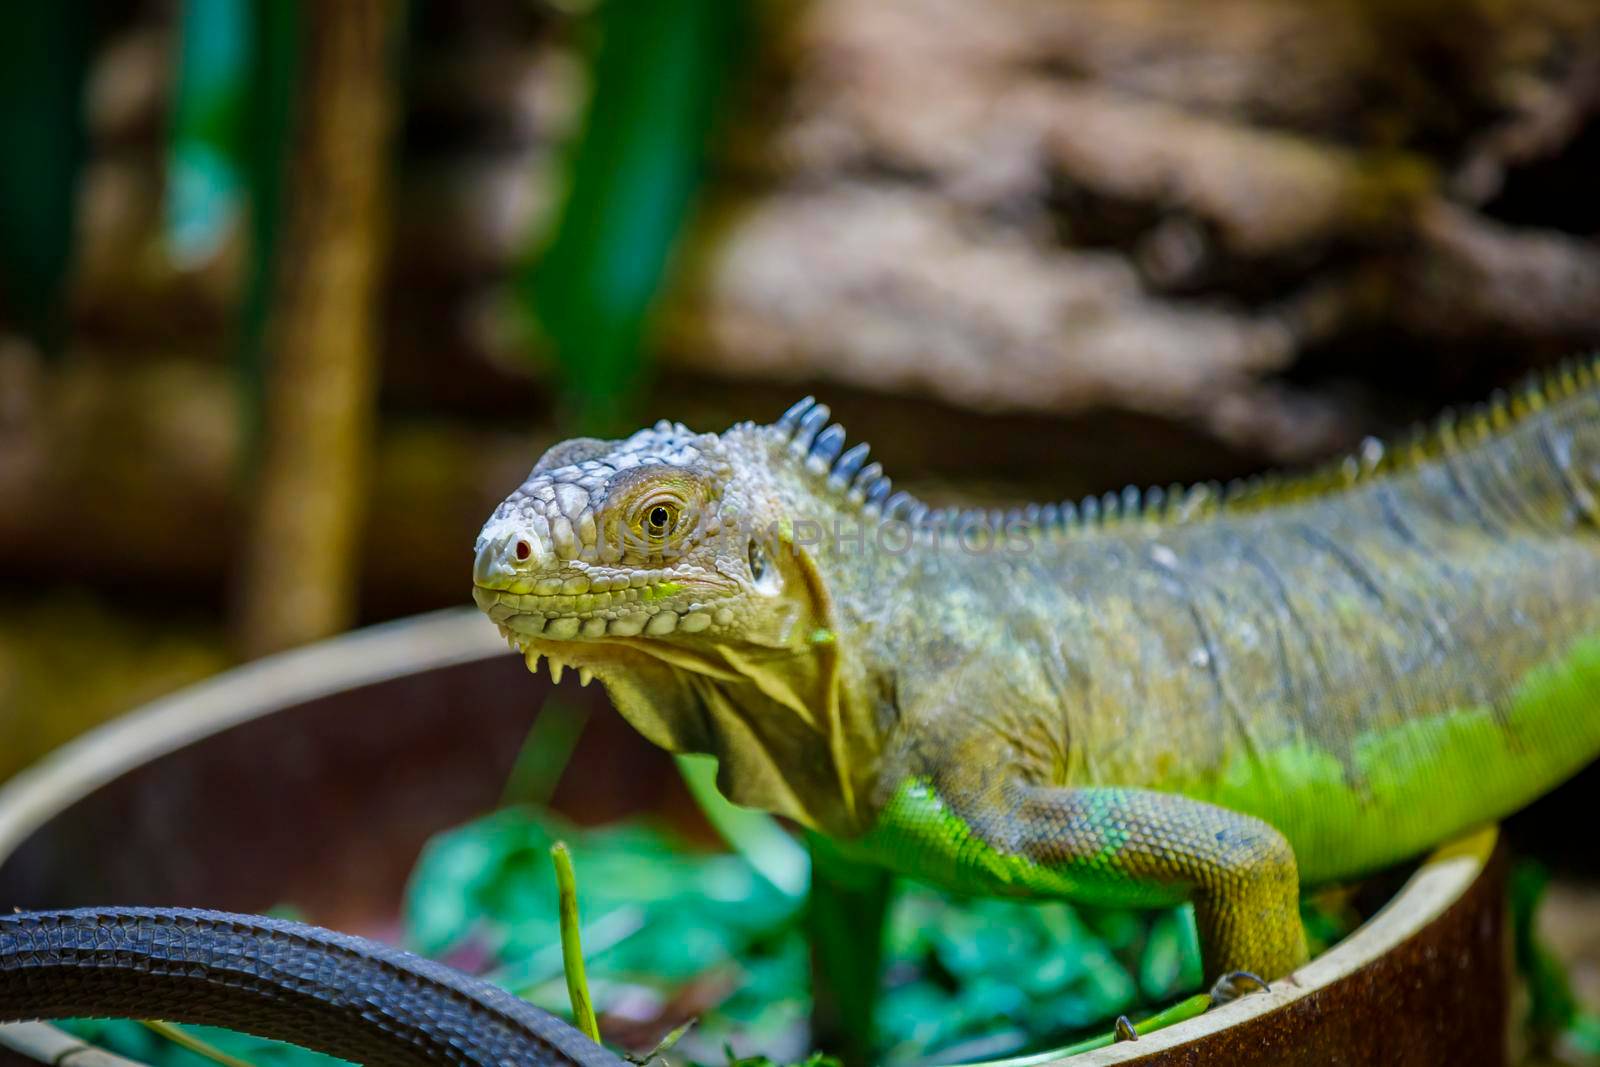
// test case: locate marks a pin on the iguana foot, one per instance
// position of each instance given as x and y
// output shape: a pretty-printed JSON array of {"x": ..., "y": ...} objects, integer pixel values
[
  {"x": 1236, "y": 984},
  {"x": 1124, "y": 1031}
]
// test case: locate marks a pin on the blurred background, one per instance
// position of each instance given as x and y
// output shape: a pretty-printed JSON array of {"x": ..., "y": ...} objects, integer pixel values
[{"x": 291, "y": 294}]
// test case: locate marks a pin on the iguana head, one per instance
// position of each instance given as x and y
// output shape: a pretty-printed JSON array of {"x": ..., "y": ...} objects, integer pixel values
[
  {"x": 667, "y": 565},
  {"x": 660, "y": 540}
]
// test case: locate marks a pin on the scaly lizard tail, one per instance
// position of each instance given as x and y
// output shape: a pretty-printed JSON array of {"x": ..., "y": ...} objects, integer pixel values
[{"x": 345, "y": 996}]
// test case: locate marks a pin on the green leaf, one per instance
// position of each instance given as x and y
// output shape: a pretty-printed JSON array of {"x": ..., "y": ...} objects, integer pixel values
[
  {"x": 205, "y": 173},
  {"x": 659, "y": 69},
  {"x": 197, "y": 1045},
  {"x": 572, "y": 942},
  {"x": 756, "y": 836},
  {"x": 1552, "y": 1006},
  {"x": 460, "y": 874},
  {"x": 1585, "y": 1034},
  {"x": 268, "y": 116},
  {"x": 1170, "y": 962},
  {"x": 44, "y": 57}
]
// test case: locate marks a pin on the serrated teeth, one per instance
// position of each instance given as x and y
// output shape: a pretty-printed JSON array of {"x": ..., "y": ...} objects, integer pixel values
[
  {"x": 532, "y": 660},
  {"x": 556, "y": 670},
  {"x": 585, "y": 676}
]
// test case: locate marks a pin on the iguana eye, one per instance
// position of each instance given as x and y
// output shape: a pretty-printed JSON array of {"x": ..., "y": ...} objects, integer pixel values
[
  {"x": 758, "y": 562},
  {"x": 659, "y": 520}
]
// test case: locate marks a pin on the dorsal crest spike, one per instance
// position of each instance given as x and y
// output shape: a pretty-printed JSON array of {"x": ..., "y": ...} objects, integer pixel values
[
  {"x": 898, "y": 505},
  {"x": 819, "y": 445},
  {"x": 825, "y": 448},
  {"x": 1132, "y": 502},
  {"x": 811, "y": 423},
  {"x": 846, "y": 466},
  {"x": 866, "y": 477},
  {"x": 789, "y": 421}
]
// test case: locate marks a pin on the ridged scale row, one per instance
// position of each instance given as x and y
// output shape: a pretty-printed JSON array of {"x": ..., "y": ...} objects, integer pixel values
[{"x": 808, "y": 436}]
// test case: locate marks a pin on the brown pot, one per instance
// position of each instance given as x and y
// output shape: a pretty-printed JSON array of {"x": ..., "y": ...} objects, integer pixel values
[{"x": 316, "y": 776}]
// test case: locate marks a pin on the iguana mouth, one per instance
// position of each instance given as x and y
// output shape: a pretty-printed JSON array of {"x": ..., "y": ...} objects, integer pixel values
[
  {"x": 583, "y": 630},
  {"x": 654, "y": 608}
]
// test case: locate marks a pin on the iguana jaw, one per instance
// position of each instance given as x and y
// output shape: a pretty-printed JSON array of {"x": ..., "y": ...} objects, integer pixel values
[
  {"x": 596, "y": 636},
  {"x": 619, "y": 605}
]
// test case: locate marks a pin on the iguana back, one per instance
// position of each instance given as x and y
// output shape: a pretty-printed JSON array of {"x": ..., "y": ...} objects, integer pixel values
[{"x": 1370, "y": 669}]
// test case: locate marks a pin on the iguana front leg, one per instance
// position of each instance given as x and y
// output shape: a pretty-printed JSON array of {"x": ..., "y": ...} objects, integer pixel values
[
  {"x": 1114, "y": 847},
  {"x": 1239, "y": 871}
]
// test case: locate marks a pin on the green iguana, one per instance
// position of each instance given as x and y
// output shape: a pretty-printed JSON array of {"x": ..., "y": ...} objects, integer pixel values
[
  {"x": 1206, "y": 694},
  {"x": 1198, "y": 695}
]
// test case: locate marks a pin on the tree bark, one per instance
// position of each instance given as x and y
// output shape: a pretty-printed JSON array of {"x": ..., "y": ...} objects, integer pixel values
[{"x": 299, "y": 569}]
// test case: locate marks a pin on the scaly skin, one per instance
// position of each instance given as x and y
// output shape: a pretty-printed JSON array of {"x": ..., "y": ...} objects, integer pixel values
[
  {"x": 1204, "y": 695},
  {"x": 342, "y": 995}
]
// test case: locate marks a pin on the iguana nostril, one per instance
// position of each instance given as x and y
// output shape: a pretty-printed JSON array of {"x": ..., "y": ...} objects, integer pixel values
[{"x": 523, "y": 549}]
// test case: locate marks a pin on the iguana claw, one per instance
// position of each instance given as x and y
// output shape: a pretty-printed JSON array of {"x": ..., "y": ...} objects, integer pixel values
[{"x": 1227, "y": 987}]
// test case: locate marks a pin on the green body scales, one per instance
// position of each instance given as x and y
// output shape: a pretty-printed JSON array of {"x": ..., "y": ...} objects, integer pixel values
[{"x": 1370, "y": 668}]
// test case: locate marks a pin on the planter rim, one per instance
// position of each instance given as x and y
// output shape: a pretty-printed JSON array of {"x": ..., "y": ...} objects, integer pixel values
[
  {"x": 261, "y": 687},
  {"x": 461, "y": 635}
]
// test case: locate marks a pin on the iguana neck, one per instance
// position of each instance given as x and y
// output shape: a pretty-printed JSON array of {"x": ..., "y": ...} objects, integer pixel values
[{"x": 793, "y": 720}]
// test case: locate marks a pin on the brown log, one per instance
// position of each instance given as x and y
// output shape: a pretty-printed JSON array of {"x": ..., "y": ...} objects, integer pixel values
[
  {"x": 1474, "y": 280},
  {"x": 901, "y": 291},
  {"x": 1152, "y": 205}
]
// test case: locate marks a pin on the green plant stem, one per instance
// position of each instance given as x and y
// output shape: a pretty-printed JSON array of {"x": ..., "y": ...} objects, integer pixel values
[
  {"x": 845, "y": 919},
  {"x": 184, "y": 1039},
  {"x": 572, "y": 944},
  {"x": 545, "y": 753},
  {"x": 1182, "y": 1011}
]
